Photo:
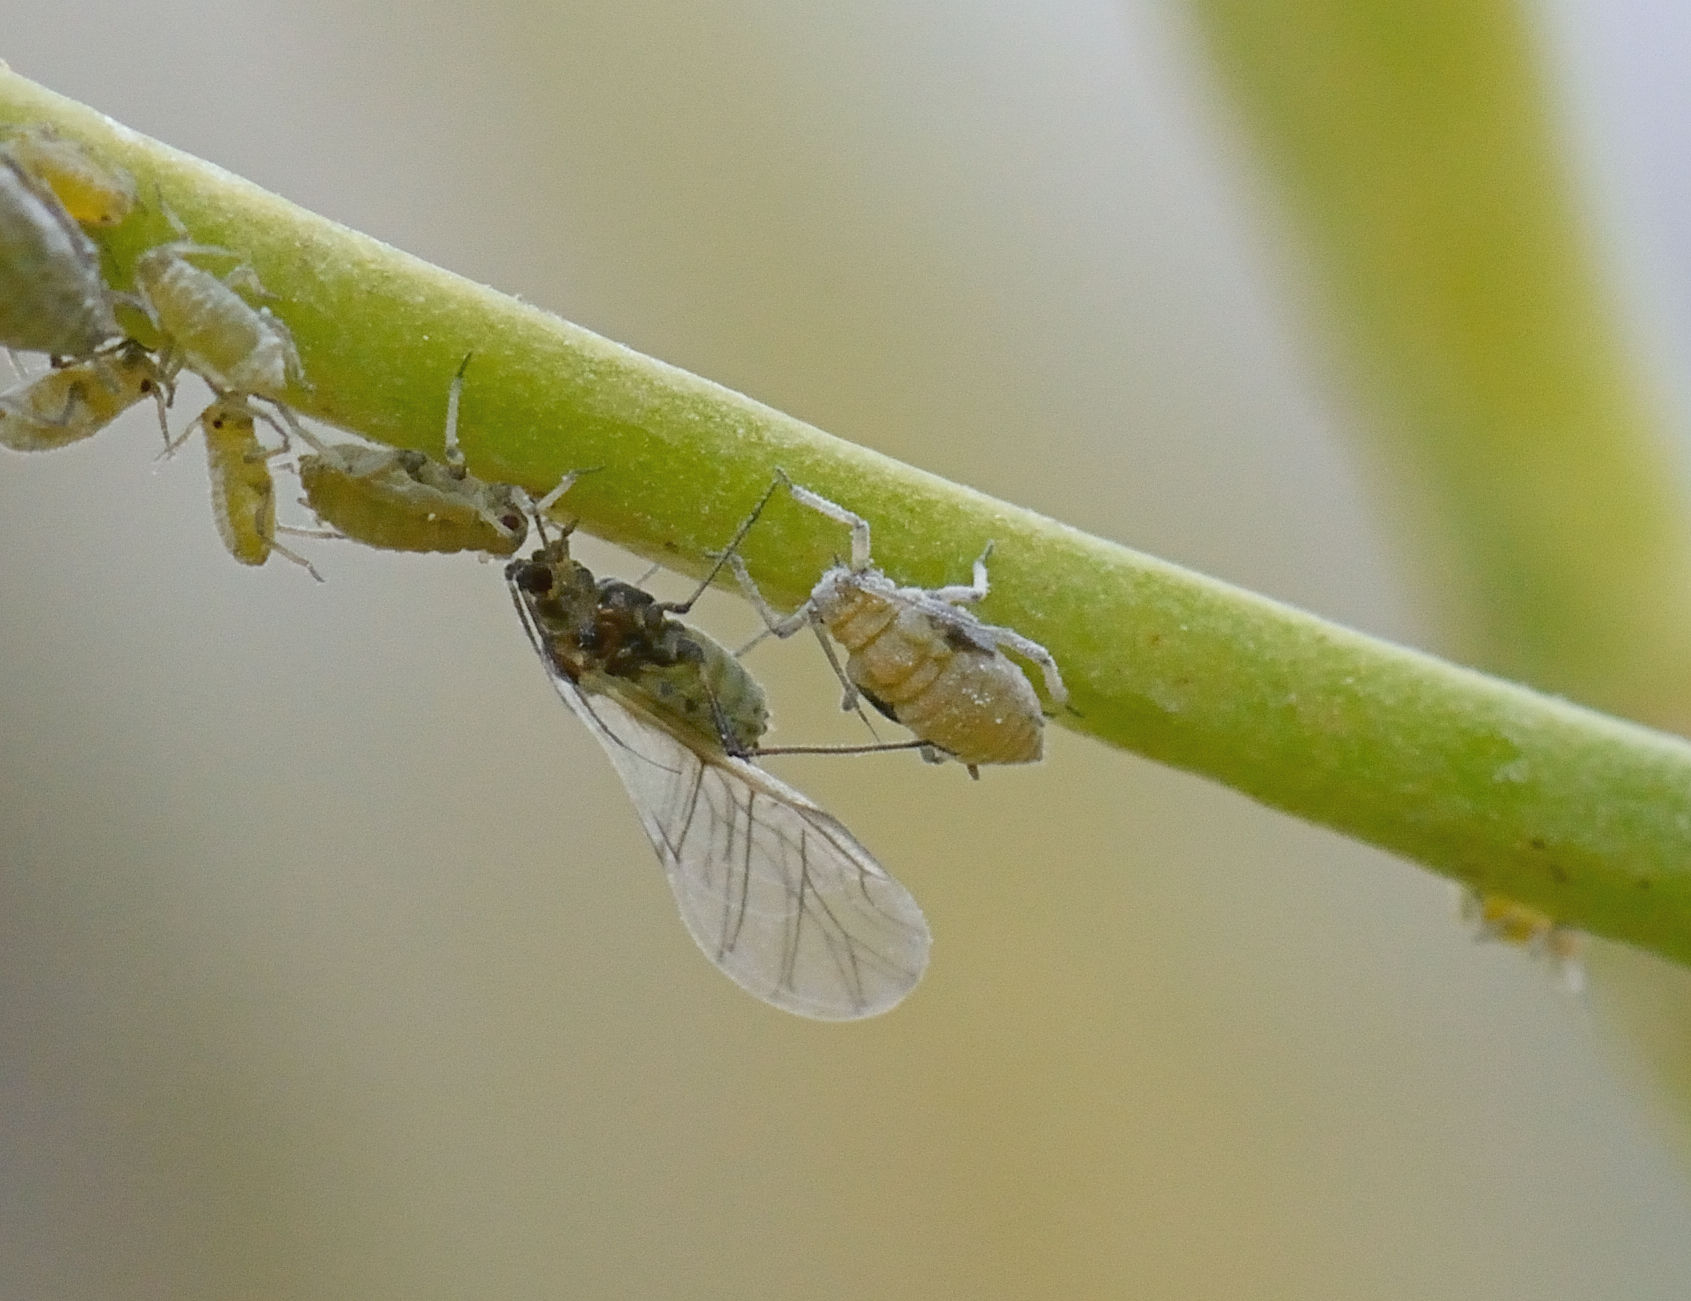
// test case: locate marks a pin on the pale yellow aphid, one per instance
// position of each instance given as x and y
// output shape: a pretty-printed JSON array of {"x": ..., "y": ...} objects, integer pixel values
[
  {"x": 916, "y": 655},
  {"x": 401, "y": 500},
  {"x": 91, "y": 192},
  {"x": 53, "y": 297},
  {"x": 243, "y": 492},
  {"x": 1494, "y": 917},
  {"x": 209, "y": 328},
  {"x": 76, "y": 401}
]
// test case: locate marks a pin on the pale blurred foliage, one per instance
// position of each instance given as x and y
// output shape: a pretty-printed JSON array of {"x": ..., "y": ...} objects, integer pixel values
[{"x": 334, "y": 961}]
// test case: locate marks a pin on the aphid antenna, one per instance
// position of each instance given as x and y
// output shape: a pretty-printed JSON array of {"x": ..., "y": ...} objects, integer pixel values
[
  {"x": 878, "y": 747},
  {"x": 294, "y": 556},
  {"x": 729, "y": 555}
]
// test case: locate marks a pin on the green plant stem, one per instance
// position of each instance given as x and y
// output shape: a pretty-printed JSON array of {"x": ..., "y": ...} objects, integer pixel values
[{"x": 1487, "y": 782}]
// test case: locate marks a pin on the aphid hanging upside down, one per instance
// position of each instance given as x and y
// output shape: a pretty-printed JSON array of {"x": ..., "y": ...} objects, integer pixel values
[
  {"x": 53, "y": 297},
  {"x": 915, "y": 654},
  {"x": 775, "y": 891},
  {"x": 1494, "y": 917},
  {"x": 76, "y": 401},
  {"x": 406, "y": 501},
  {"x": 243, "y": 491}
]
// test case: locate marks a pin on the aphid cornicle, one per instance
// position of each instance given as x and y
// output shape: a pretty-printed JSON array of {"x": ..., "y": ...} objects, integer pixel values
[
  {"x": 53, "y": 297},
  {"x": 401, "y": 500},
  {"x": 76, "y": 401},
  {"x": 209, "y": 328},
  {"x": 915, "y": 655},
  {"x": 775, "y": 891},
  {"x": 91, "y": 192},
  {"x": 243, "y": 492}
]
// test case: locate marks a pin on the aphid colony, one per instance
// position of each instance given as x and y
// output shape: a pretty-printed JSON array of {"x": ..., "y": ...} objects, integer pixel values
[{"x": 776, "y": 892}]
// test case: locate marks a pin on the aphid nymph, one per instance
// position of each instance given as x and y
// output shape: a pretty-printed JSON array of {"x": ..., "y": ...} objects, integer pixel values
[
  {"x": 92, "y": 193},
  {"x": 1495, "y": 917},
  {"x": 915, "y": 654},
  {"x": 53, "y": 297},
  {"x": 75, "y": 401},
  {"x": 775, "y": 891},
  {"x": 401, "y": 500}
]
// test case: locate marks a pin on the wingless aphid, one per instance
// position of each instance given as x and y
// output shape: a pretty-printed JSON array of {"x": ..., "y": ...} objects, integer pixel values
[
  {"x": 778, "y": 894},
  {"x": 406, "y": 501},
  {"x": 209, "y": 328},
  {"x": 92, "y": 193},
  {"x": 243, "y": 492},
  {"x": 76, "y": 401},
  {"x": 53, "y": 297},
  {"x": 915, "y": 654}
]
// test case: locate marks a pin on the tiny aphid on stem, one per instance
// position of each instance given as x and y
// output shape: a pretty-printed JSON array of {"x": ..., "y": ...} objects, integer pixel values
[
  {"x": 914, "y": 653},
  {"x": 775, "y": 891},
  {"x": 1494, "y": 917},
  {"x": 53, "y": 296},
  {"x": 91, "y": 192},
  {"x": 75, "y": 401},
  {"x": 401, "y": 500},
  {"x": 209, "y": 328},
  {"x": 243, "y": 491}
]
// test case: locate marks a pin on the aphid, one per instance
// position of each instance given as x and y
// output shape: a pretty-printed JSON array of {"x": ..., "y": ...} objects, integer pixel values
[
  {"x": 914, "y": 654},
  {"x": 406, "y": 501},
  {"x": 92, "y": 193},
  {"x": 243, "y": 493},
  {"x": 1494, "y": 917},
  {"x": 76, "y": 401},
  {"x": 776, "y": 892},
  {"x": 209, "y": 328},
  {"x": 53, "y": 297}
]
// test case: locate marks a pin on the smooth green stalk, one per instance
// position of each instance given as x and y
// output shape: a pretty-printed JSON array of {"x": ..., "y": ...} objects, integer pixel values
[{"x": 1479, "y": 779}]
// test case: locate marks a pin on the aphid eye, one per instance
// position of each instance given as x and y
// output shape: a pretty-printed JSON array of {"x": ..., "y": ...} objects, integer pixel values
[
  {"x": 146, "y": 386},
  {"x": 511, "y": 523},
  {"x": 532, "y": 577}
]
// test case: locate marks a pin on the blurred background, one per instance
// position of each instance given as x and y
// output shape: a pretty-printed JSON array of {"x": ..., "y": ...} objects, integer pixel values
[{"x": 332, "y": 959}]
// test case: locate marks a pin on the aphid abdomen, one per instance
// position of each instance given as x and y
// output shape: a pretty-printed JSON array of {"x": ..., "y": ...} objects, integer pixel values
[
  {"x": 979, "y": 708},
  {"x": 243, "y": 494},
  {"x": 391, "y": 500},
  {"x": 53, "y": 297}
]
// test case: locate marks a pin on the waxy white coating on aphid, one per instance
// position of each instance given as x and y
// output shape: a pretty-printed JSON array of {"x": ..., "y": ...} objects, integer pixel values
[
  {"x": 401, "y": 500},
  {"x": 77, "y": 401},
  {"x": 92, "y": 193},
  {"x": 53, "y": 297},
  {"x": 775, "y": 891},
  {"x": 210, "y": 329},
  {"x": 920, "y": 658}
]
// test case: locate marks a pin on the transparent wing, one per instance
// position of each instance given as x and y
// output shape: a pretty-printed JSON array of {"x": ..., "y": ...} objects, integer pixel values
[{"x": 776, "y": 891}]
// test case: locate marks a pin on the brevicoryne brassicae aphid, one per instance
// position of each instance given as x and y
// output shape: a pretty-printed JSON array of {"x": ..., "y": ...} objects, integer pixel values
[
  {"x": 775, "y": 891},
  {"x": 914, "y": 653},
  {"x": 402, "y": 500},
  {"x": 77, "y": 400}
]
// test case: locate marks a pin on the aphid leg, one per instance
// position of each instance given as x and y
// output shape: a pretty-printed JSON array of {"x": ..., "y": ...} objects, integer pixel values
[
  {"x": 730, "y": 555},
  {"x": 975, "y": 591},
  {"x": 1029, "y": 649},
  {"x": 453, "y": 454},
  {"x": 859, "y": 526},
  {"x": 75, "y": 396},
  {"x": 294, "y": 556},
  {"x": 545, "y": 504},
  {"x": 291, "y": 364},
  {"x": 772, "y": 619}
]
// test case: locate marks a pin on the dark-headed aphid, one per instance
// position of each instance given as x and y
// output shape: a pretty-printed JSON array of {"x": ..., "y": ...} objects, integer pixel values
[
  {"x": 53, "y": 297},
  {"x": 1494, "y": 917},
  {"x": 210, "y": 329},
  {"x": 92, "y": 193},
  {"x": 243, "y": 493},
  {"x": 406, "y": 501},
  {"x": 776, "y": 892},
  {"x": 916, "y": 655},
  {"x": 78, "y": 400}
]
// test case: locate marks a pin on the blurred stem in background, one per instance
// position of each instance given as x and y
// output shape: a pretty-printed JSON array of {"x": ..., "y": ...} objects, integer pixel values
[{"x": 1416, "y": 143}]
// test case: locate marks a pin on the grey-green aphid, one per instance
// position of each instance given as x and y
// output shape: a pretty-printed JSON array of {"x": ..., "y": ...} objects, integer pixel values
[
  {"x": 53, "y": 296},
  {"x": 776, "y": 892},
  {"x": 402, "y": 500},
  {"x": 75, "y": 401}
]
